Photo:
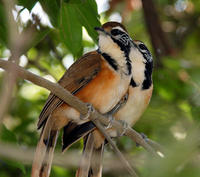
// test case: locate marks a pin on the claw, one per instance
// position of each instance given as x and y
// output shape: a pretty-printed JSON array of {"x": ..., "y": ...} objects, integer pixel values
[
  {"x": 125, "y": 127},
  {"x": 90, "y": 110},
  {"x": 110, "y": 117}
]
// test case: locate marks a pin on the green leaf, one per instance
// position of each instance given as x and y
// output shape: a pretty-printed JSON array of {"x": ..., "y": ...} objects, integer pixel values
[
  {"x": 3, "y": 25},
  {"x": 27, "y": 3},
  {"x": 41, "y": 34},
  {"x": 15, "y": 164},
  {"x": 74, "y": 1},
  {"x": 88, "y": 17},
  {"x": 7, "y": 135},
  {"x": 70, "y": 29},
  {"x": 52, "y": 8}
]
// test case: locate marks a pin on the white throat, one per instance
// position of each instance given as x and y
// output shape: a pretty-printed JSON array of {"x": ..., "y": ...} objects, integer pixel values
[
  {"x": 138, "y": 66},
  {"x": 106, "y": 45}
]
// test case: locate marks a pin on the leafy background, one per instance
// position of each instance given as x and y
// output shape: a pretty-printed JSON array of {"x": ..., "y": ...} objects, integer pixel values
[{"x": 172, "y": 118}]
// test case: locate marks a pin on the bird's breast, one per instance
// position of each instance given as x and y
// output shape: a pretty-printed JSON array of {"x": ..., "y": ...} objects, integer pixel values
[
  {"x": 137, "y": 102},
  {"x": 105, "y": 90}
]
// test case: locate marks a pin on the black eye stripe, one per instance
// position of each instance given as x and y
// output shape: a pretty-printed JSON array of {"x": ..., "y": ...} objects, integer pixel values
[{"x": 116, "y": 32}]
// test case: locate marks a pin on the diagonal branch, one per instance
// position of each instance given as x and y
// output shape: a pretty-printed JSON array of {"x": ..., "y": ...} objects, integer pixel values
[
  {"x": 82, "y": 107},
  {"x": 120, "y": 155},
  {"x": 75, "y": 102}
]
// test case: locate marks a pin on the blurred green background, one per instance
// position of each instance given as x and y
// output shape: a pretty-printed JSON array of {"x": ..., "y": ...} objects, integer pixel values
[{"x": 64, "y": 31}]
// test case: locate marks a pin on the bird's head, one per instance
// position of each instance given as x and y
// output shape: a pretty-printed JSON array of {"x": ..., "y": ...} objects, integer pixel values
[
  {"x": 113, "y": 34},
  {"x": 142, "y": 65},
  {"x": 115, "y": 42},
  {"x": 132, "y": 55}
]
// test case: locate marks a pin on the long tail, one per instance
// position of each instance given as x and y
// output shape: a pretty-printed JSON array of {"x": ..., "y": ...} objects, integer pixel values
[
  {"x": 44, "y": 152},
  {"x": 91, "y": 161},
  {"x": 84, "y": 167},
  {"x": 96, "y": 165}
]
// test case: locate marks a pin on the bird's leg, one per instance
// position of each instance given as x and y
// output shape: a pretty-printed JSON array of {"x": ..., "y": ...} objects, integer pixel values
[
  {"x": 110, "y": 118},
  {"x": 119, "y": 105},
  {"x": 125, "y": 127}
]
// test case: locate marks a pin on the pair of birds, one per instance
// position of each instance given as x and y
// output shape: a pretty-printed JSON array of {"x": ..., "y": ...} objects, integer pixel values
[{"x": 120, "y": 66}]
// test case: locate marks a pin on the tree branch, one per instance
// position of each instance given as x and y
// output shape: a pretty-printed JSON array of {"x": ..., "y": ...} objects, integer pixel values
[
  {"x": 73, "y": 101},
  {"x": 17, "y": 44},
  {"x": 67, "y": 160}
]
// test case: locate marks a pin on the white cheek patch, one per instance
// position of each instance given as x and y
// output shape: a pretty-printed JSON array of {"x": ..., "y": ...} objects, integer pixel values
[
  {"x": 105, "y": 42},
  {"x": 106, "y": 45},
  {"x": 138, "y": 65}
]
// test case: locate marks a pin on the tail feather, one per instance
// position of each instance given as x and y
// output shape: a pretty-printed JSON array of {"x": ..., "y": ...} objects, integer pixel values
[
  {"x": 97, "y": 160},
  {"x": 46, "y": 166},
  {"x": 83, "y": 170},
  {"x": 91, "y": 162},
  {"x": 44, "y": 152},
  {"x": 73, "y": 132}
]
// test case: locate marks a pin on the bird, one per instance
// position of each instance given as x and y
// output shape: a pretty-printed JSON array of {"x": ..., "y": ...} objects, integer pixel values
[
  {"x": 101, "y": 78},
  {"x": 139, "y": 95}
]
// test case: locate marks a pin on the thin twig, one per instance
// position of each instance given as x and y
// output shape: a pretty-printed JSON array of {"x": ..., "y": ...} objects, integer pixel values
[{"x": 117, "y": 151}]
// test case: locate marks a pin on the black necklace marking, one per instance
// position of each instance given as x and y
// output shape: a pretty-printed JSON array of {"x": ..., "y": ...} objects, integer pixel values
[
  {"x": 110, "y": 60},
  {"x": 148, "y": 66},
  {"x": 126, "y": 50},
  {"x": 132, "y": 83},
  {"x": 148, "y": 73}
]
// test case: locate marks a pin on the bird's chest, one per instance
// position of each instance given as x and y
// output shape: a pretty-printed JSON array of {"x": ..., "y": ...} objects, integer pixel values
[
  {"x": 137, "y": 102},
  {"x": 105, "y": 90}
]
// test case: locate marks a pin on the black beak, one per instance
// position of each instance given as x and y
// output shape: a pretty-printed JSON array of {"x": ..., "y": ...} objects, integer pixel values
[{"x": 99, "y": 29}]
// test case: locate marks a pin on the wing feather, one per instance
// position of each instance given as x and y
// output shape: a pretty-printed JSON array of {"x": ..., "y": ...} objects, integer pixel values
[{"x": 74, "y": 79}]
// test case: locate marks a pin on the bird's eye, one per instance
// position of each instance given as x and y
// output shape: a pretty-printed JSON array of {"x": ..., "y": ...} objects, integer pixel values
[
  {"x": 115, "y": 32},
  {"x": 142, "y": 47}
]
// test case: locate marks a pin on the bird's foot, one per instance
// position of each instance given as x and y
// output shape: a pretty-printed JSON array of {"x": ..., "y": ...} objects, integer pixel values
[
  {"x": 110, "y": 118},
  {"x": 90, "y": 110},
  {"x": 125, "y": 127}
]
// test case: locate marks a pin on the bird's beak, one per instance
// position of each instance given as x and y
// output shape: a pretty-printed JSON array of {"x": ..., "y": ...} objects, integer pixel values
[{"x": 100, "y": 30}]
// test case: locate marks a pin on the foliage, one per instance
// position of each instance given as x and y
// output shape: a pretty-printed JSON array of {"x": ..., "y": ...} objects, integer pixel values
[{"x": 173, "y": 116}]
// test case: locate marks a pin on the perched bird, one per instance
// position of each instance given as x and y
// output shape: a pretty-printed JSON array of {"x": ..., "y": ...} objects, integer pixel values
[
  {"x": 139, "y": 95},
  {"x": 100, "y": 78}
]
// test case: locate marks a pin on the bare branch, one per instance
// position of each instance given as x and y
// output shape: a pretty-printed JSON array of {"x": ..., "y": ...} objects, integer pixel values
[
  {"x": 17, "y": 45},
  {"x": 120, "y": 155},
  {"x": 67, "y": 160}
]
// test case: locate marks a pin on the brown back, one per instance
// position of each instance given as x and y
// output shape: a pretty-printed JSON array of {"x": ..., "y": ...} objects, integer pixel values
[{"x": 74, "y": 79}]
